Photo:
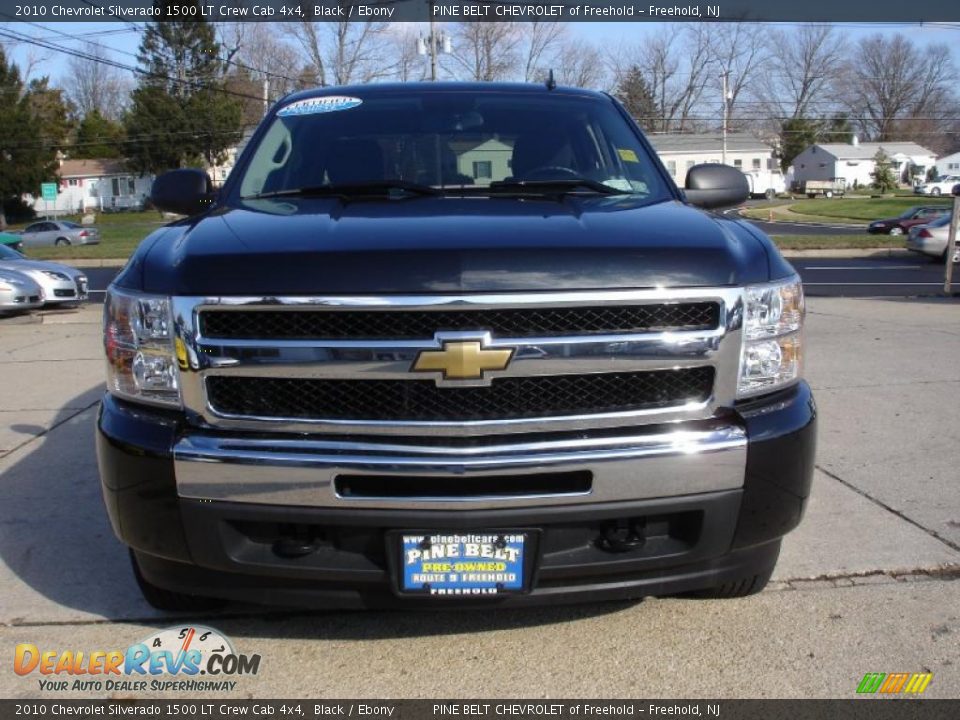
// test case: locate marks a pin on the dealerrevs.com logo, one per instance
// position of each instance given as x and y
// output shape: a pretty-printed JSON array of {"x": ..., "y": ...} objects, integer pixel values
[{"x": 187, "y": 658}]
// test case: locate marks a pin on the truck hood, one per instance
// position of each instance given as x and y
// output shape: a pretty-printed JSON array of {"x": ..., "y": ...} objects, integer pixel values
[{"x": 444, "y": 244}]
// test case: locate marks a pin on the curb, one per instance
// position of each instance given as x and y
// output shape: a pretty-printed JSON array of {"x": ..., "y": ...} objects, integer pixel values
[
  {"x": 899, "y": 253},
  {"x": 91, "y": 262}
]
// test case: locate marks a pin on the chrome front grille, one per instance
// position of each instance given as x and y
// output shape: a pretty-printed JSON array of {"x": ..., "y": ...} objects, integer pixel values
[
  {"x": 295, "y": 324},
  {"x": 422, "y": 400},
  {"x": 343, "y": 364}
]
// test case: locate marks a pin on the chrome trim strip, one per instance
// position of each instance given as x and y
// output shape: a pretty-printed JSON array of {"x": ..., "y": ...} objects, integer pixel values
[
  {"x": 302, "y": 472},
  {"x": 378, "y": 359}
]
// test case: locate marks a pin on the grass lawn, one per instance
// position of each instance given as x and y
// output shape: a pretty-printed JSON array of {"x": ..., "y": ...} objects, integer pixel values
[
  {"x": 861, "y": 209},
  {"x": 120, "y": 233},
  {"x": 836, "y": 242}
]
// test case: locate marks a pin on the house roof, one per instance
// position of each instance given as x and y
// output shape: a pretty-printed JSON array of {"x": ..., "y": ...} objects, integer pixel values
[
  {"x": 700, "y": 143},
  {"x": 866, "y": 151},
  {"x": 92, "y": 167}
]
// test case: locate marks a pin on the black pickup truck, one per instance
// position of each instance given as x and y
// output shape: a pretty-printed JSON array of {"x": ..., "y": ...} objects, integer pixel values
[{"x": 439, "y": 344}]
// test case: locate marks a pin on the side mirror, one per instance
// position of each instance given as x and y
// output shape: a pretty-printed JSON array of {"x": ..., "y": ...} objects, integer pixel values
[
  {"x": 714, "y": 185},
  {"x": 186, "y": 192}
]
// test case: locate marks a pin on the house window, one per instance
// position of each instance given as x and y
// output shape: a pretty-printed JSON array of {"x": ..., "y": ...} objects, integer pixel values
[
  {"x": 482, "y": 169},
  {"x": 738, "y": 163},
  {"x": 131, "y": 186},
  {"x": 115, "y": 186},
  {"x": 672, "y": 167},
  {"x": 73, "y": 182},
  {"x": 953, "y": 166},
  {"x": 756, "y": 163}
]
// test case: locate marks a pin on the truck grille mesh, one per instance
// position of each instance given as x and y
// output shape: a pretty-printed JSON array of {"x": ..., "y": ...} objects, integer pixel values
[
  {"x": 422, "y": 400},
  {"x": 421, "y": 324}
]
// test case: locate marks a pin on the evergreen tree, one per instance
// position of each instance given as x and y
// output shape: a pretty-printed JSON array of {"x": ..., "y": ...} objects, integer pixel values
[
  {"x": 796, "y": 135},
  {"x": 98, "y": 137},
  {"x": 883, "y": 178},
  {"x": 180, "y": 112},
  {"x": 30, "y": 134},
  {"x": 634, "y": 92}
]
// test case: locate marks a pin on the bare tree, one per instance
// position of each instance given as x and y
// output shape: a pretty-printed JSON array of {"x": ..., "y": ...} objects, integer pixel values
[
  {"x": 344, "y": 52},
  {"x": 894, "y": 84},
  {"x": 580, "y": 64},
  {"x": 676, "y": 64},
  {"x": 543, "y": 41},
  {"x": 409, "y": 64},
  {"x": 800, "y": 72},
  {"x": 484, "y": 50},
  {"x": 256, "y": 52},
  {"x": 91, "y": 84},
  {"x": 738, "y": 50}
]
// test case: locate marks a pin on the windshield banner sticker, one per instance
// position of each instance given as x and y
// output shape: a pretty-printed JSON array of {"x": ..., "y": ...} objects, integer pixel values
[{"x": 314, "y": 106}]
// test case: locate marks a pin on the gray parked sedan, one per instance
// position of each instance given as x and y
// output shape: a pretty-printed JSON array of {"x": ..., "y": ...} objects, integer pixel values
[
  {"x": 59, "y": 232},
  {"x": 931, "y": 239},
  {"x": 61, "y": 283},
  {"x": 18, "y": 292}
]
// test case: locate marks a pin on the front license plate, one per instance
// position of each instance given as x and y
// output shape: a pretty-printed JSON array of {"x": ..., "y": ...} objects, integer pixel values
[{"x": 462, "y": 564}]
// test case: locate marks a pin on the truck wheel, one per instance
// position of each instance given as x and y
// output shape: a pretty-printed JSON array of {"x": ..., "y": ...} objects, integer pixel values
[
  {"x": 935, "y": 192},
  {"x": 828, "y": 194},
  {"x": 811, "y": 195},
  {"x": 751, "y": 583},
  {"x": 169, "y": 600},
  {"x": 770, "y": 194}
]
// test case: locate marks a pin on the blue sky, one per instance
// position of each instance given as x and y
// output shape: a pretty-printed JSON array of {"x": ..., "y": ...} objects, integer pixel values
[{"x": 123, "y": 39}]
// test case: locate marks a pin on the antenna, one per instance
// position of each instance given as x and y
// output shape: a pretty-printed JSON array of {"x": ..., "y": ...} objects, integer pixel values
[{"x": 551, "y": 83}]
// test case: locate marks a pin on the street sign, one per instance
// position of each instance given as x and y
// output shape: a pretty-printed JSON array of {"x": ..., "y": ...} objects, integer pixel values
[{"x": 48, "y": 191}]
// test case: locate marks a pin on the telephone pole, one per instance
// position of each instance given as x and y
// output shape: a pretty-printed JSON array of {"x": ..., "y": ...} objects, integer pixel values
[{"x": 726, "y": 109}]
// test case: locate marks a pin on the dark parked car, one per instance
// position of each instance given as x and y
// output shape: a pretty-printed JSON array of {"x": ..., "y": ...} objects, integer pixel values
[
  {"x": 901, "y": 224},
  {"x": 439, "y": 343}
]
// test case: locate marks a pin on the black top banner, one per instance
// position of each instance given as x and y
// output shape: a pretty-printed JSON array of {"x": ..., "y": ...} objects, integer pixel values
[{"x": 878, "y": 11}]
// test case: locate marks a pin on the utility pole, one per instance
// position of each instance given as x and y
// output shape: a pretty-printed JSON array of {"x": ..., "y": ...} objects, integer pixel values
[
  {"x": 726, "y": 109},
  {"x": 433, "y": 45},
  {"x": 266, "y": 95},
  {"x": 433, "y": 49}
]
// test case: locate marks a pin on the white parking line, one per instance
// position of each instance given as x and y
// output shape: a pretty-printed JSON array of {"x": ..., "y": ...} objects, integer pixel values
[{"x": 871, "y": 267}]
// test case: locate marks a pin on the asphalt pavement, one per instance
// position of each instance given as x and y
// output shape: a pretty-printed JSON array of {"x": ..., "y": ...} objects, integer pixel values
[{"x": 867, "y": 583}]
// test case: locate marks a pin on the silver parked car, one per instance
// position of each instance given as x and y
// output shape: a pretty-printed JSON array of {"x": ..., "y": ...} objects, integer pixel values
[
  {"x": 59, "y": 232},
  {"x": 61, "y": 283},
  {"x": 931, "y": 239},
  {"x": 18, "y": 292}
]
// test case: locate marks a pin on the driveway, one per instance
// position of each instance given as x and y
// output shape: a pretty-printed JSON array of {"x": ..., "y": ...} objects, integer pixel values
[{"x": 866, "y": 584}]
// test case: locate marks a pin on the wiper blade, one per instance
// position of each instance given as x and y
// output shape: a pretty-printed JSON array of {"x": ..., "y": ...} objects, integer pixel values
[
  {"x": 566, "y": 185},
  {"x": 374, "y": 187}
]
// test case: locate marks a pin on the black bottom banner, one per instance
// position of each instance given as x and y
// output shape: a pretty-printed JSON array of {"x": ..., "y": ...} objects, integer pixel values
[{"x": 856, "y": 709}]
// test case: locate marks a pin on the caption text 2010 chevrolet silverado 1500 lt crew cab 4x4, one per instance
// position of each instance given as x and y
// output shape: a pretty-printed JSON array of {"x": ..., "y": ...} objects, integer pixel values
[{"x": 439, "y": 344}]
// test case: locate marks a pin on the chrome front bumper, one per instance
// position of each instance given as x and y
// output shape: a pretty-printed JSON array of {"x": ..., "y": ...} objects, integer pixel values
[{"x": 627, "y": 466}]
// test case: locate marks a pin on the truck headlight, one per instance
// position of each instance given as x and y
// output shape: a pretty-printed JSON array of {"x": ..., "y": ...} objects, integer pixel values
[
  {"x": 138, "y": 338},
  {"x": 772, "y": 354}
]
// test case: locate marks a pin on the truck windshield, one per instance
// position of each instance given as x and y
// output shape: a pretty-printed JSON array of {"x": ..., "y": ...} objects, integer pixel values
[{"x": 468, "y": 142}]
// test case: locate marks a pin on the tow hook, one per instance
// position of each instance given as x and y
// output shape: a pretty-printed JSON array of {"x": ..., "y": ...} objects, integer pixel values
[{"x": 622, "y": 536}]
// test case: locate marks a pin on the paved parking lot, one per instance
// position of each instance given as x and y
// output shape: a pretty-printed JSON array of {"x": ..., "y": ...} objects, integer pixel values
[{"x": 868, "y": 583}]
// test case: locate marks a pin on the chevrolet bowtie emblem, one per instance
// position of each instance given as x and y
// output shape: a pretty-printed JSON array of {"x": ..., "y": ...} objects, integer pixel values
[{"x": 462, "y": 360}]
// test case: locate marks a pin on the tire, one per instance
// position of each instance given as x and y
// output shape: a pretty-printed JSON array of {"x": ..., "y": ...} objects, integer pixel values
[
  {"x": 811, "y": 195},
  {"x": 751, "y": 583},
  {"x": 895, "y": 230},
  {"x": 935, "y": 192},
  {"x": 171, "y": 601},
  {"x": 62, "y": 242},
  {"x": 770, "y": 194},
  {"x": 828, "y": 194}
]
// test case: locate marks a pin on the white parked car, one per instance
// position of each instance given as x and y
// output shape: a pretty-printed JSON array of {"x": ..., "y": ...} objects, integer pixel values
[
  {"x": 61, "y": 284},
  {"x": 18, "y": 292},
  {"x": 943, "y": 186},
  {"x": 931, "y": 239}
]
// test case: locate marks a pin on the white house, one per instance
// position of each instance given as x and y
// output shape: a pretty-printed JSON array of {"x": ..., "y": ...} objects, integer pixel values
[
  {"x": 854, "y": 161},
  {"x": 948, "y": 165},
  {"x": 94, "y": 184},
  {"x": 681, "y": 152}
]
